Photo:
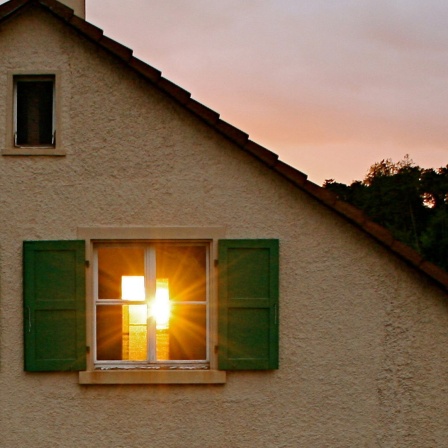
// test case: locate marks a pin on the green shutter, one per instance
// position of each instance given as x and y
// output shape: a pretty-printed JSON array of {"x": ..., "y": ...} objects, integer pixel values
[
  {"x": 54, "y": 305},
  {"x": 248, "y": 304}
]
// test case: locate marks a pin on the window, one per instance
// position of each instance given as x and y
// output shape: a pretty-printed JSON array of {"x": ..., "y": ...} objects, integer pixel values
[
  {"x": 151, "y": 304},
  {"x": 34, "y": 120},
  {"x": 149, "y": 307},
  {"x": 33, "y": 117}
]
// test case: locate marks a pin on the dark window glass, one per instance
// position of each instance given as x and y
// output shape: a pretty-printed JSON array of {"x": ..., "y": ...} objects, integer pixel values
[
  {"x": 187, "y": 338},
  {"x": 35, "y": 113}
]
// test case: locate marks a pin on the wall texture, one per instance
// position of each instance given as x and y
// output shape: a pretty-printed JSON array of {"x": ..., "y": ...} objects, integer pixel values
[{"x": 363, "y": 359}]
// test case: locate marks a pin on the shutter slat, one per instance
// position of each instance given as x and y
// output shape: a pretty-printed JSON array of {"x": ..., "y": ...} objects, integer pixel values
[
  {"x": 54, "y": 301},
  {"x": 248, "y": 304}
]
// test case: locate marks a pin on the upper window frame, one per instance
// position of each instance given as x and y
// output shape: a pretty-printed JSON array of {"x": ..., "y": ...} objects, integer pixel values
[{"x": 10, "y": 147}]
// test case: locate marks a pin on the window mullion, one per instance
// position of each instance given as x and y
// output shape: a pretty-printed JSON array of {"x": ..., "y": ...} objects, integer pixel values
[{"x": 150, "y": 288}]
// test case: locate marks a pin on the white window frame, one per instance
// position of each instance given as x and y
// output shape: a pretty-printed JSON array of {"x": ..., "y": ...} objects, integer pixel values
[
  {"x": 150, "y": 266},
  {"x": 175, "y": 372}
]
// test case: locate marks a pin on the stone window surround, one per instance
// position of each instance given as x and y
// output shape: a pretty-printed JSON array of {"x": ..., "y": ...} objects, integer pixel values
[
  {"x": 93, "y": 375},
  {"x": 9, "y": 148}
]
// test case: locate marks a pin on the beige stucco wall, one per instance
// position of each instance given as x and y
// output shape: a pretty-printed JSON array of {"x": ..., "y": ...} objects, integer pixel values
[{"x": 363, "y": 359}]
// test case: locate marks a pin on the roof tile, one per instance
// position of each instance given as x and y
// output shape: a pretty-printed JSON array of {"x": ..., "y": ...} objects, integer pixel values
[
  {"x": 406, "y": 252},
  {"x": 232, "y": 132},
  {"x": 10, "y": 7},
  {"x": 350, "y": 211},
  {"x": 58, "y": 8},
  {"x": 265, "y": 155},
  {"x": 202, "y": 111},
  {"x": 435, "y": 272},
  {"x": 86, "y": 28},
  {"x": 290, "y": 173},
  {"x": 145, "y": 70},
  {"x": 379, "y": 232},
  {"x": 116, "y": 48},
  {"x": 323, "y": 195},
  {"x": 174, "y": 90}
]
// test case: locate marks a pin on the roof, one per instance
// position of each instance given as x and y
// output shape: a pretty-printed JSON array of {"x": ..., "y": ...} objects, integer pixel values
[{"x": 350, "y": 213}]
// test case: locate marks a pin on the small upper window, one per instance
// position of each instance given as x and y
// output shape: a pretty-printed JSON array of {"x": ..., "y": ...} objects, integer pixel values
[{"x": 34, "y": 111}]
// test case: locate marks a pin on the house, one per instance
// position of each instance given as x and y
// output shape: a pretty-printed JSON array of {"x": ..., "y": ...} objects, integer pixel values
[{"x": 165, "y": 281}]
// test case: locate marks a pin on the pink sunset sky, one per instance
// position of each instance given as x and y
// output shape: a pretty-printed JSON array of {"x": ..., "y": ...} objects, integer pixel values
[{"x": 330, "y": 86}]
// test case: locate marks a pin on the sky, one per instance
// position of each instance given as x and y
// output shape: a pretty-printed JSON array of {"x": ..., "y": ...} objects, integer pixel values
[{"x": 330, "y": 86}]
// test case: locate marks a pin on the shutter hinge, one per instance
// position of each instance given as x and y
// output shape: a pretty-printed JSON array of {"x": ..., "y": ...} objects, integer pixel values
[
  {"x": 216, "y": 262},
  {"x": 87, "y": 349},
  {"x": 87, "y": 264},
  {"x": 216, "y": 348}
]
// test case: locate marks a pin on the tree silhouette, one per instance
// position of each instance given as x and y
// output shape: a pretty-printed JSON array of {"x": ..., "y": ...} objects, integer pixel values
[{"x": 410, "y": 201}]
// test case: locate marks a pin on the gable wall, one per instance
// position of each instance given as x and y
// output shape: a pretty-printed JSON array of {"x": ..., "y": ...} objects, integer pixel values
[{"x": 363, "y": 337}]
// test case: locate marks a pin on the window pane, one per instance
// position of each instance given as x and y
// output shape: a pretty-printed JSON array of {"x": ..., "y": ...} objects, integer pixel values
[
  {"x": 113, "y": 264},
  {"x": 34, "y": 112},
  {"x": 109, "y": 340},
  {"x": 121, "y": 333},
  {"x": 185, "y": 269},
  {"x": 187, "y": 332}
]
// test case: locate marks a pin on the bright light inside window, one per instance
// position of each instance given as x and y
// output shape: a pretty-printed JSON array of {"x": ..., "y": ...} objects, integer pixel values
[
  {"x": 132, "y": 287},
  {"x": 160, "y": 308},
  {"x": 134, "y": 318}
]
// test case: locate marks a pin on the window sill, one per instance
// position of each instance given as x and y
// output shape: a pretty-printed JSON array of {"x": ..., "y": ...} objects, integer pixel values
[
  {"x": 152, "y": 377},
  {"x": 33, "y": 151}
]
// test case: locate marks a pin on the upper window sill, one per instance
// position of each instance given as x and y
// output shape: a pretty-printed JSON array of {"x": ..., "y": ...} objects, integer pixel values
[
  {"x": 152, "y": 377},
  {"x": 33, "y": 151}
]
